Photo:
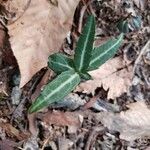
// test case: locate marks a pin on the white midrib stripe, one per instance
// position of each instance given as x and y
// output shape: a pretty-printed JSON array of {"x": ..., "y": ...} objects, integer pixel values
[
  {"x": 83, "y": 51},
  {"x": 105, "y": 51},
  {"x": 59, "y": 88},
  {"x": 62, "y": 65}
]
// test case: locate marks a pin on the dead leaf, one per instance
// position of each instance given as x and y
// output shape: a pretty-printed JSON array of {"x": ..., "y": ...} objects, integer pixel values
[
  {"x": 113, "y": 76},
  {"x": 14, "y": 9},
  {"x": 38, "y": 33},
  {"x": 7, "y": 145},
  {"x": 140, "y": 3},
  {"x": 64, "y": 143},
  {"x": 3, "y": 83},
  {"x": 71, "y": 119},
  {"x": 33, "y": 124},
  {"x": 2, "y": 38},
  {"x": 46, "y": 77},
  {"x": 132, "y": 124},
  {"x": 12, "y": 131},
  {"x": 71, "y": 102},
  {"x": 31, "y": 144}
]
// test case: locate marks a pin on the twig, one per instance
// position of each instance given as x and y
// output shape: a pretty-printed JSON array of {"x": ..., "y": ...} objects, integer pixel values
[
  {"x": 46, "y": 141},
  {"x": 147, "y": 46},
  {"x": 95, "y": 132},
  {"x": 91, "y": 102}
]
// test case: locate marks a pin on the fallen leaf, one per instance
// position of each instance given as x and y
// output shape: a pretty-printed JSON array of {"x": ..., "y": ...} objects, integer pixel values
[
  {"x": 38, "y": 33},
  {"x": 140, "y": 3},
  {"x": 2, "y": 38},
  {"x": 64, "y": 143},
  {"x": 113, "y": 76},
  {"x": 71, "y": 102},
  {"x": 129, "y": 7},
  {"x": 32, "y": 124},
  {"x": 71, "y": 119},
  {"x": 14, "y": 9},
  {"x": 148, "y": 148},
  {"x": 46, "y": 77},
  {"x": 132, "y": 124},
  {"x": 7, "y": 144},
  {"x": 3, "y": 83},
  {"x": 13, "y": 132},
  {"x": 31, "y": 144}
]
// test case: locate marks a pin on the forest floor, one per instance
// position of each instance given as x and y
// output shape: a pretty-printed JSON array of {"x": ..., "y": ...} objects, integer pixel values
[{"x": 110, "y": 112}]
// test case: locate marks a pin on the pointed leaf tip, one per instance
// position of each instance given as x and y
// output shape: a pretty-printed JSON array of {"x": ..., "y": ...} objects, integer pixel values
[
  {"x": 56, "y": 90},
  {"x": 85, "y": 45},
  {"x": 104, "y": 52}
]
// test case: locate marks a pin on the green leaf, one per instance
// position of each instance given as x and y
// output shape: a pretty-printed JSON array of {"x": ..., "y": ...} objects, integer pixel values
[
  {"x": 56, "y": 90},
  {"x": 123, "y": 26},
  {"x": 59, "y": 63},
  {"x": 104, "y": 52},
  {"x": 85, "y": 45},
  {"x": 85, "y": 76}
]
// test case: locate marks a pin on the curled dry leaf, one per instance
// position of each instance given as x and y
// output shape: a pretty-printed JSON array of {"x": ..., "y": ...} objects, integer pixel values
[
  {"x": 132, "y": 124},
  {"x": 38, "y": 33},
  {"x": 113, "y": 76}
]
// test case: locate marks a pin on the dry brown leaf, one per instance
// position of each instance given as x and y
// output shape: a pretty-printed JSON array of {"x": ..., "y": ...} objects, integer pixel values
[
  {"x": 2, "y": 36},
  {"x": 7, "y": 145},
  {"x": 110, "y": 78},
  {"x": 38, "y": 33},
  {"x": 12, "y": 131},
  {"x": 140, "y": 3},
  {"x": 2, "y": 39},
  {"x": 14, "y": 9},
  {"x": 64, "y": 143},
  {"x": 71, "y": 119},
  {"x": 3, "y": 83},
  {"x": 132, "y": 124}
]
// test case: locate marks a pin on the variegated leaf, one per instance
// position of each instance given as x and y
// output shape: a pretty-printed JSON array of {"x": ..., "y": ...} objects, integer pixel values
[
  {"x": 85, "y": 45},
  {"x": 59, "y": 62},
  {"x": 104, "y": 52},
  {"x": 85, "y": 76},
  {"x": 123, "y": 26},
  {"x": 56, "y": 90}
]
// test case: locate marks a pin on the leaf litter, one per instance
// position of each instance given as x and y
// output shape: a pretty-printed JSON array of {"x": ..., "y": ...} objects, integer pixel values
[
  {"x": 114, "y": 76},
  {"x": 131, "y": 124},
  {"x": 71, "y": 119},
  {"x": 130, "y": 119}
]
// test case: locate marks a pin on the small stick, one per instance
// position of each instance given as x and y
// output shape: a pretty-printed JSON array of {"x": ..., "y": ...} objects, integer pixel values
[
  {"x": 147, "y": 46},
  {"x": 95, "y": 132}
]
